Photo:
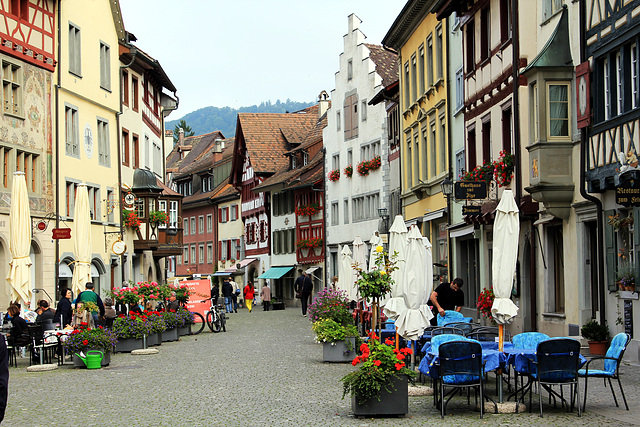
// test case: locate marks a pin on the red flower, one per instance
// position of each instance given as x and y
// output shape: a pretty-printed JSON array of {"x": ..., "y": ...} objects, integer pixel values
[
  {"x": 399, "y": 366},
  {"x": 400, "y": 356},
  {"x": 355, "y": 361},
  {"x": 85, "y": 342},
  {"x": 388, "y": 341},
  {"x": 377, "y": 362},
  {"x": 84, "y": 324}
]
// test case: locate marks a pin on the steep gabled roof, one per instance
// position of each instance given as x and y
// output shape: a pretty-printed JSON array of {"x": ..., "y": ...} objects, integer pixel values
[
  {"x": 314, "y": 136},
  {"x": 286, "y": 177},
  {"x": 268, "y": 136},
  {"x": 386, "y": 63},
  {"x": 199, "y": 146}
]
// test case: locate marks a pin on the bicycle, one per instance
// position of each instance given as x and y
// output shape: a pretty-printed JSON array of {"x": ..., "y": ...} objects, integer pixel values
[
  {"x": 195, "y": 329},
  {"x": 216, "y": 319}
]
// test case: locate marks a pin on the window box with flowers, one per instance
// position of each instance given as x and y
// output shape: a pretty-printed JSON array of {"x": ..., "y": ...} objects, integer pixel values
[
  {"x": 334, "y": 175},
  {"x": 308, "y": 210},
  {"x": 367, "y": 166},
  {"x": 348, "y": 171},
  {"x": 480, "y": 173},
  {"x": 130, "y": 219},
  {"x": 503, "y": 169},
  {"x": 158, "y": 217}
]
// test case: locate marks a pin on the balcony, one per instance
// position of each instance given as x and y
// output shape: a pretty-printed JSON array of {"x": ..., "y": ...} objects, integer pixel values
[{"x": 166, "y": 242}]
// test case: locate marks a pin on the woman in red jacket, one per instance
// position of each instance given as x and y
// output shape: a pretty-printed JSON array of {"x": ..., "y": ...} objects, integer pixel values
[{"x": 249, "y": 293}]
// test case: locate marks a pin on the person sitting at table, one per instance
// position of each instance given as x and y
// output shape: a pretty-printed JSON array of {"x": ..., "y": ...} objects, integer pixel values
[
  {"x": 19, "y": 333},
  {"x": 174, "y": 304},
  {"x": 82, "y": 316},
  {"x": 135, "y": 308},
  {"x": 64, "y": 313},
  {"x": 447, "y": 296},
  {"x": 109, "y": 311},
  {"x": 46, "y": 313}
]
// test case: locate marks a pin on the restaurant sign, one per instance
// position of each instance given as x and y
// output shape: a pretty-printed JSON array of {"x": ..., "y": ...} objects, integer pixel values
[
  {"x": 470, "y": 190},
  {"x": 61, "y": 233},
  {"x": 471, "y": 210},
  {"x": 628, "y": 193}
]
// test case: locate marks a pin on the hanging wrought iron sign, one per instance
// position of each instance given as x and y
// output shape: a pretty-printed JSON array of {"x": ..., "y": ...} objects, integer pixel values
[
  {"x": 471, "y": 210},
  {"x": 470, "y": 190},
  {"x": 628, "y": 191}
]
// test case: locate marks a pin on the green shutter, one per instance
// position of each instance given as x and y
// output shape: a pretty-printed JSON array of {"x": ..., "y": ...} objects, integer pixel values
[{"x": 610, "y": 250}]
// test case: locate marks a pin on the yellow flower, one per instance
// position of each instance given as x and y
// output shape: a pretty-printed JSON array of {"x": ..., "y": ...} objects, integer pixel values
[
  {"x": 382, "y": 272},
  {"x": 379, "y": 249}
]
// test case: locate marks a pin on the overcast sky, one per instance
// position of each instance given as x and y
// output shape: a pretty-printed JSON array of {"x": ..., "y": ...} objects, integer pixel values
[{"x": 242, "y": 52}]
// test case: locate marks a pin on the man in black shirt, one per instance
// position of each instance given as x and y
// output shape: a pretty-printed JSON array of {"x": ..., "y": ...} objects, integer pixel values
[
  {"x": 303, "y": 286},
  {"x": 448, "y": 296}
]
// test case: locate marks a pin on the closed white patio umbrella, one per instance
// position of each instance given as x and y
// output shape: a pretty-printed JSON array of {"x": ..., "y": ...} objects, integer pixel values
[
  {"x": 20, "y": 241},
  {"x": 397, "y": 245},
  {"x": 359, "y": 253},
  {"x": 346, "y": 276},
  {"x": 506, "y": 230},
  {"x": 81, "y": 240},
  {"x": 415, "y": 288},
  {"x": 374, "y": 241}
]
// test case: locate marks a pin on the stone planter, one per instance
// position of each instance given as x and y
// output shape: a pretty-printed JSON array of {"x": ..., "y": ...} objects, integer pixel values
[
  {"x": 170, "y": 335},
  {"x": 154, "y": 339},
  {"x": 339, "y": 351},
  {"x": 78, "y": 363},
  {"x": 185, "y": 330},
  {"x": 126, "y": 345},
  {"x": 394, "y": 402}
]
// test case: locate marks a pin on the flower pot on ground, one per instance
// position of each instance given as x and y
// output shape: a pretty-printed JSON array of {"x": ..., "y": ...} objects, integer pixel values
[
  {"x": 129, "y": 329},
  {"x": 390, "y": 401},
  {"x": 342, "y": 351},
  {"x": 170, "y": 335},
  {"x": 84, "y": 338},
  {"x": 339, "y": 342},
  {"x": 597, "y": 335},
  {"x": 330, "y": 304}
]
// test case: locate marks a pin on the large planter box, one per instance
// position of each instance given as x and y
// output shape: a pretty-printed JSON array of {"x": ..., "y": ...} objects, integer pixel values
[
  {"x": 277, "y": 306},
  {"x": 127, "y": 345},
  {"x": 154, "y": 339},
  {"x": 394, "y": 402},
  {"x": 170, "y": 335},
  {"x": 339, "y": 351},
  {"x": 185, "y": 330},
  {"x": 78, "y": 363}
]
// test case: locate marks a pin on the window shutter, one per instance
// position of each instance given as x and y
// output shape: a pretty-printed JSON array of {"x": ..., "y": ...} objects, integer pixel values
[
  {"x": 354, "y": 116},
  {"x": 347, "y": 118},
  {"x": 239, "y": 245},
  {"x": 226, "y": 217},
  {"x": 220, "y": 250},
  {"x": 610, "y": 251},
  {"x": 219, "y": 214},
  {"x": 276, "y": 242},
  {"x": 229, "y": 252}
]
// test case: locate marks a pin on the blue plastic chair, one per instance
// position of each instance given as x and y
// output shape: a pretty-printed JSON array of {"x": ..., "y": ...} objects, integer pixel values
[
  {"x": 529, "y": 340},
  {"x": 465, "y": 326},
  {"x": 460, "y": 366},
  {"x": 557, "y": 363},
  {"x": 450, "y": 316},
  {"x": 611, "y": 370}
]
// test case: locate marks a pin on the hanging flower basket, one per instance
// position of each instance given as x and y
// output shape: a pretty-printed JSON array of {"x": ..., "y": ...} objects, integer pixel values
[
  {"x": 348, "y": 171},
  {"x": 334, "y": 175},
  {"x": 130, "y": 219},
  {"x": 503, "y": 169}
]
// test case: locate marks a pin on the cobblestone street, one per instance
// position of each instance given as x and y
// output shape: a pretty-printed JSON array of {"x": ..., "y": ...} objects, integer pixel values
[{"x": 265, "y": 370}]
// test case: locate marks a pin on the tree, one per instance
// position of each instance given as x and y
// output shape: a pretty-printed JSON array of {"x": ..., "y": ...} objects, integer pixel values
[{"x": 185, "y": 127}]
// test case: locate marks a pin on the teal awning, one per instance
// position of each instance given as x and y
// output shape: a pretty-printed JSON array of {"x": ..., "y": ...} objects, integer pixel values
[{"x": 275, "y": 272}]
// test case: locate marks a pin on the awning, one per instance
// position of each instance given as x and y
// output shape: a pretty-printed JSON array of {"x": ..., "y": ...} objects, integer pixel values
[
  {"x": 275, "y": 273},
  {"x": 433, "y": 215},
  {"x": 247, "y": 261},
  {"x": 94, "y": 271},
  {"x": 64, "y": 270},
  {"x": 310, "y": 270},
  {"x": 221, "y": 273},
  {"x": 462, "y": 231}
]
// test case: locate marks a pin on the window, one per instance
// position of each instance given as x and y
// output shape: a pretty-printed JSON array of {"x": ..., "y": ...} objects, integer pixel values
[
  {"x": 486, "y": 141},
  {"x": 365, "y": 207},
  {"x": 369, "y": 151},
  {"x": 363, "y": 110},
  {"x": 185, "y": 225},
  {"x": 5, "y": 157},
  {"x": 351, "y": 116},
  {"x": 536, "y": 114},
  {"x": 193, "y": 225},
  {"x": 201, "y": 253},
  {"x": 201, "y": 224},
  {"x": 147, "y": 146},
  {"x": 607, "y": 89},
  {"x": 185, "y": 254},
  {"x": 193, "y": 254},
  {"x": 459, "y": 163},
  {"x": 414, "y": 77},
  {"x": 485, "y": 34},
  {"x": 335, "y": 219},
  {"x": 105, "y": 66},
  {"x": 471, "y": 147},
  {"x": 550, "y": 7},
  {"x": 125, "y": 88},
  {"x": 209, "y": 223},
  {"x": 209, "y": 253},
  {"x": 74, "y": 50},
  {"x": 505, "y": 20},
  {"x": 125, "y": 147},
  {"x": 506, "y": 129},
  {"x": 338, "y": 123},
  {"x": 173, "y": 213},
  {"x": 139, "y": 208},
  {"x": 349, "y": 69},
  {"x": 71, "y": 131},
  {"x": 429, "y": 61},
  {"x": 420, "y": 144},
  {"x": 157, "y": 158},
  {"x": 407, "y": 88},
  {"x": 634, "y": 75},
  {"x": 433, "y": 151},
  {"x": 94, "y": 203},
  {"x": 28, "y": 163},
  {"x": 234, "y": 212},
  {"x": 12, "y": 88},
  {"x": 346, "y": 211},
  {"x": 135, "y": 152},
  {"x": 442, "y": 145},
  {"x": 104, "y": 157},
  {"x": 350, "y": 157},
  {"x": 134, "y": 92},
  {"x": 470, "y": 45},
  {"x": 408, "y": 171},
  {"x": 439, "y": 55},
  {"x": 558, "y": 109},
  {"x": 619, "y": 80},
  {"x": 70, "y": 197},
  {"x": 162, "y": 206},
  {"x": 459, "y": 90},
  {"x": 421, "y": 79},
  {"x": 335, "y": 162}
]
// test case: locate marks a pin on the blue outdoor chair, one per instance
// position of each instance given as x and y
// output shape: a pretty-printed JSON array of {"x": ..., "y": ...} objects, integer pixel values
[
  {"x": 460, "y": 367},
  {"x": 611, "y": 367},
  {"x": 465, "y": 326},
  {"x": 450, "y": 316},
  {"x": 557, "y": 363},
  {"x": 528, "y": 340}
]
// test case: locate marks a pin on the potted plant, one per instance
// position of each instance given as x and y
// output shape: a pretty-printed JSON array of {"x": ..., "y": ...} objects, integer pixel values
[
  {"x": 484, "y": 304},
  {"x": 158, "y": 217},
  {"x": 171, "y": 321},
  {"x": 127, "y": 295},
  {"x": 185, "y": 318},
  {"x": 482, "y": 172},
  {"x": 330, "y": 304},
  {"x": 380, "y": 385},
  {"x": 334, "y": 175},
  {"x": 130, "y": 219},
  {"x": 597, "y": 335},
  {"x": 83, "y": 338},
  {"x": 157, "y": 327},
  {"x": 130, "y": 330},
  {"x": 338, "y": 341},
  {"x": 183, "y": 292},
  {"x": 503, "y": 169}
]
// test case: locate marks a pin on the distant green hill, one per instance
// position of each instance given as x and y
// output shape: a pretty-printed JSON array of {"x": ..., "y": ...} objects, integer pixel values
[{"x": 210, "y": 119}]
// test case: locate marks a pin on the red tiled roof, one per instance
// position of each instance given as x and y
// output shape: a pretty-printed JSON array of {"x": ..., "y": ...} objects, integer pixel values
[
  {"x": 166, "y": 191},
  {"x": 269, "y": 135},
  {"x": 200, "y": 145},
  {"x": 386, "y": 63}
]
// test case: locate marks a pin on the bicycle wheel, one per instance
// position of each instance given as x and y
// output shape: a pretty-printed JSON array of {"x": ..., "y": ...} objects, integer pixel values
[
  {"x": 198, "y": 326},
  {"x": 223, "y": 321},
  {"x": 213, "y": 321}
]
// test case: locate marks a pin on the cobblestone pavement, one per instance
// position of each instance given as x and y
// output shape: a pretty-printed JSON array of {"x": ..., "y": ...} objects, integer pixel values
[{"x": 265, "y": 370}]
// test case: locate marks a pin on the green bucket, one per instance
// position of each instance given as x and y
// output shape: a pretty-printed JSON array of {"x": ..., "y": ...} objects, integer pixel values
[{"x": 94, "y": 359}]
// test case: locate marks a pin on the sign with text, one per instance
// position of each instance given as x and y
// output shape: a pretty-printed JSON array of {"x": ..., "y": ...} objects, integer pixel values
[
  {"x": 471, "y": 210},
  {"x": 61, "y": 233},
  {"x": 200, "y": 289},
  {"x": 628, "y": 193},
  {"x": 470, "y": 190}
]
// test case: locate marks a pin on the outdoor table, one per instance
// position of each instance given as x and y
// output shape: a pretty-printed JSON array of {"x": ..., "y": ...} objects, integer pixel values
[
  {"x": 492, "y": 359},
  {"x": 61, "y": 335}
]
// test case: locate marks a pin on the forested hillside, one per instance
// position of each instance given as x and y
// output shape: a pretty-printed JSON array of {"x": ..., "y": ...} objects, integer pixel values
[{"x": 209, "y": 119}]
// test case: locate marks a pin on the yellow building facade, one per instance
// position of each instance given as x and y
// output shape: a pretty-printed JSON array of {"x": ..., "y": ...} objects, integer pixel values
[
  {"x": 421, "y": 41},
  {"x": 87, "y": 107}
]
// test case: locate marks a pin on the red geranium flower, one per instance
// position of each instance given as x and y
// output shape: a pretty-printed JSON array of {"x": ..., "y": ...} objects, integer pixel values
[
  {"x": 377, "y": 362},
  {"x": 399, "y": 366},
  {"x": 85, "y": 342}
]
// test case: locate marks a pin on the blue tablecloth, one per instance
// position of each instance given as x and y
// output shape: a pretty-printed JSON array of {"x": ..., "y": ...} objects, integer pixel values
[
  {"x": 492, "y": 359},
  {"x": 519, "y": 358},
  {"x": 486, "y": 345}
]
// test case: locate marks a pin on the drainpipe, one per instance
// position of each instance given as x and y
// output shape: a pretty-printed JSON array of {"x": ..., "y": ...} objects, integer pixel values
[
  {"x": 450, "y": 153},
  {"x": 583, "y": 191},
  {"x": 515, "y": 49},
  {"x": 57, "y": 155}
]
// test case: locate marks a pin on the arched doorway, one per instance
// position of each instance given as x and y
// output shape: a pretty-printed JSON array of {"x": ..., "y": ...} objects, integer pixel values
[{"x": 98, "y": 271}]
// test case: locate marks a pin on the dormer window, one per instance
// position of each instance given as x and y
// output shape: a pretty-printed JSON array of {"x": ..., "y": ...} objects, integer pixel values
[
  {"x": 294, "y": 162},
  {"x": 305, "y": 158}
]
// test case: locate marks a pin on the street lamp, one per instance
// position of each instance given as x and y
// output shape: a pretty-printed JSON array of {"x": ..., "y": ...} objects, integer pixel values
[
  {"x": 447, "y": 187},
  {"x": 383, "y": 213},
  {"x": 447, "y": 191},
  {"x": 238, "y": 248}
]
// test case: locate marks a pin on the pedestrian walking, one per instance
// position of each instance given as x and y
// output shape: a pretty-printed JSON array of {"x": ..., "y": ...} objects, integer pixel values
[
  {"x": 89, "y": 295},
  {"x": 304, "y": 287},
  {"x": 265, "y": 295},
  {"x": 249, "y": 294},
  {"x": 234, "y": 294},
  {"x": 227, "y": 291}
]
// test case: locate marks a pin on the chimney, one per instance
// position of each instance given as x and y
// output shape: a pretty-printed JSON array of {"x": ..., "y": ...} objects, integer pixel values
[
  {"x": 323, "y": 103},
  {"x": 181, "y": 137},
  {"x": 218, "y": 146}
]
